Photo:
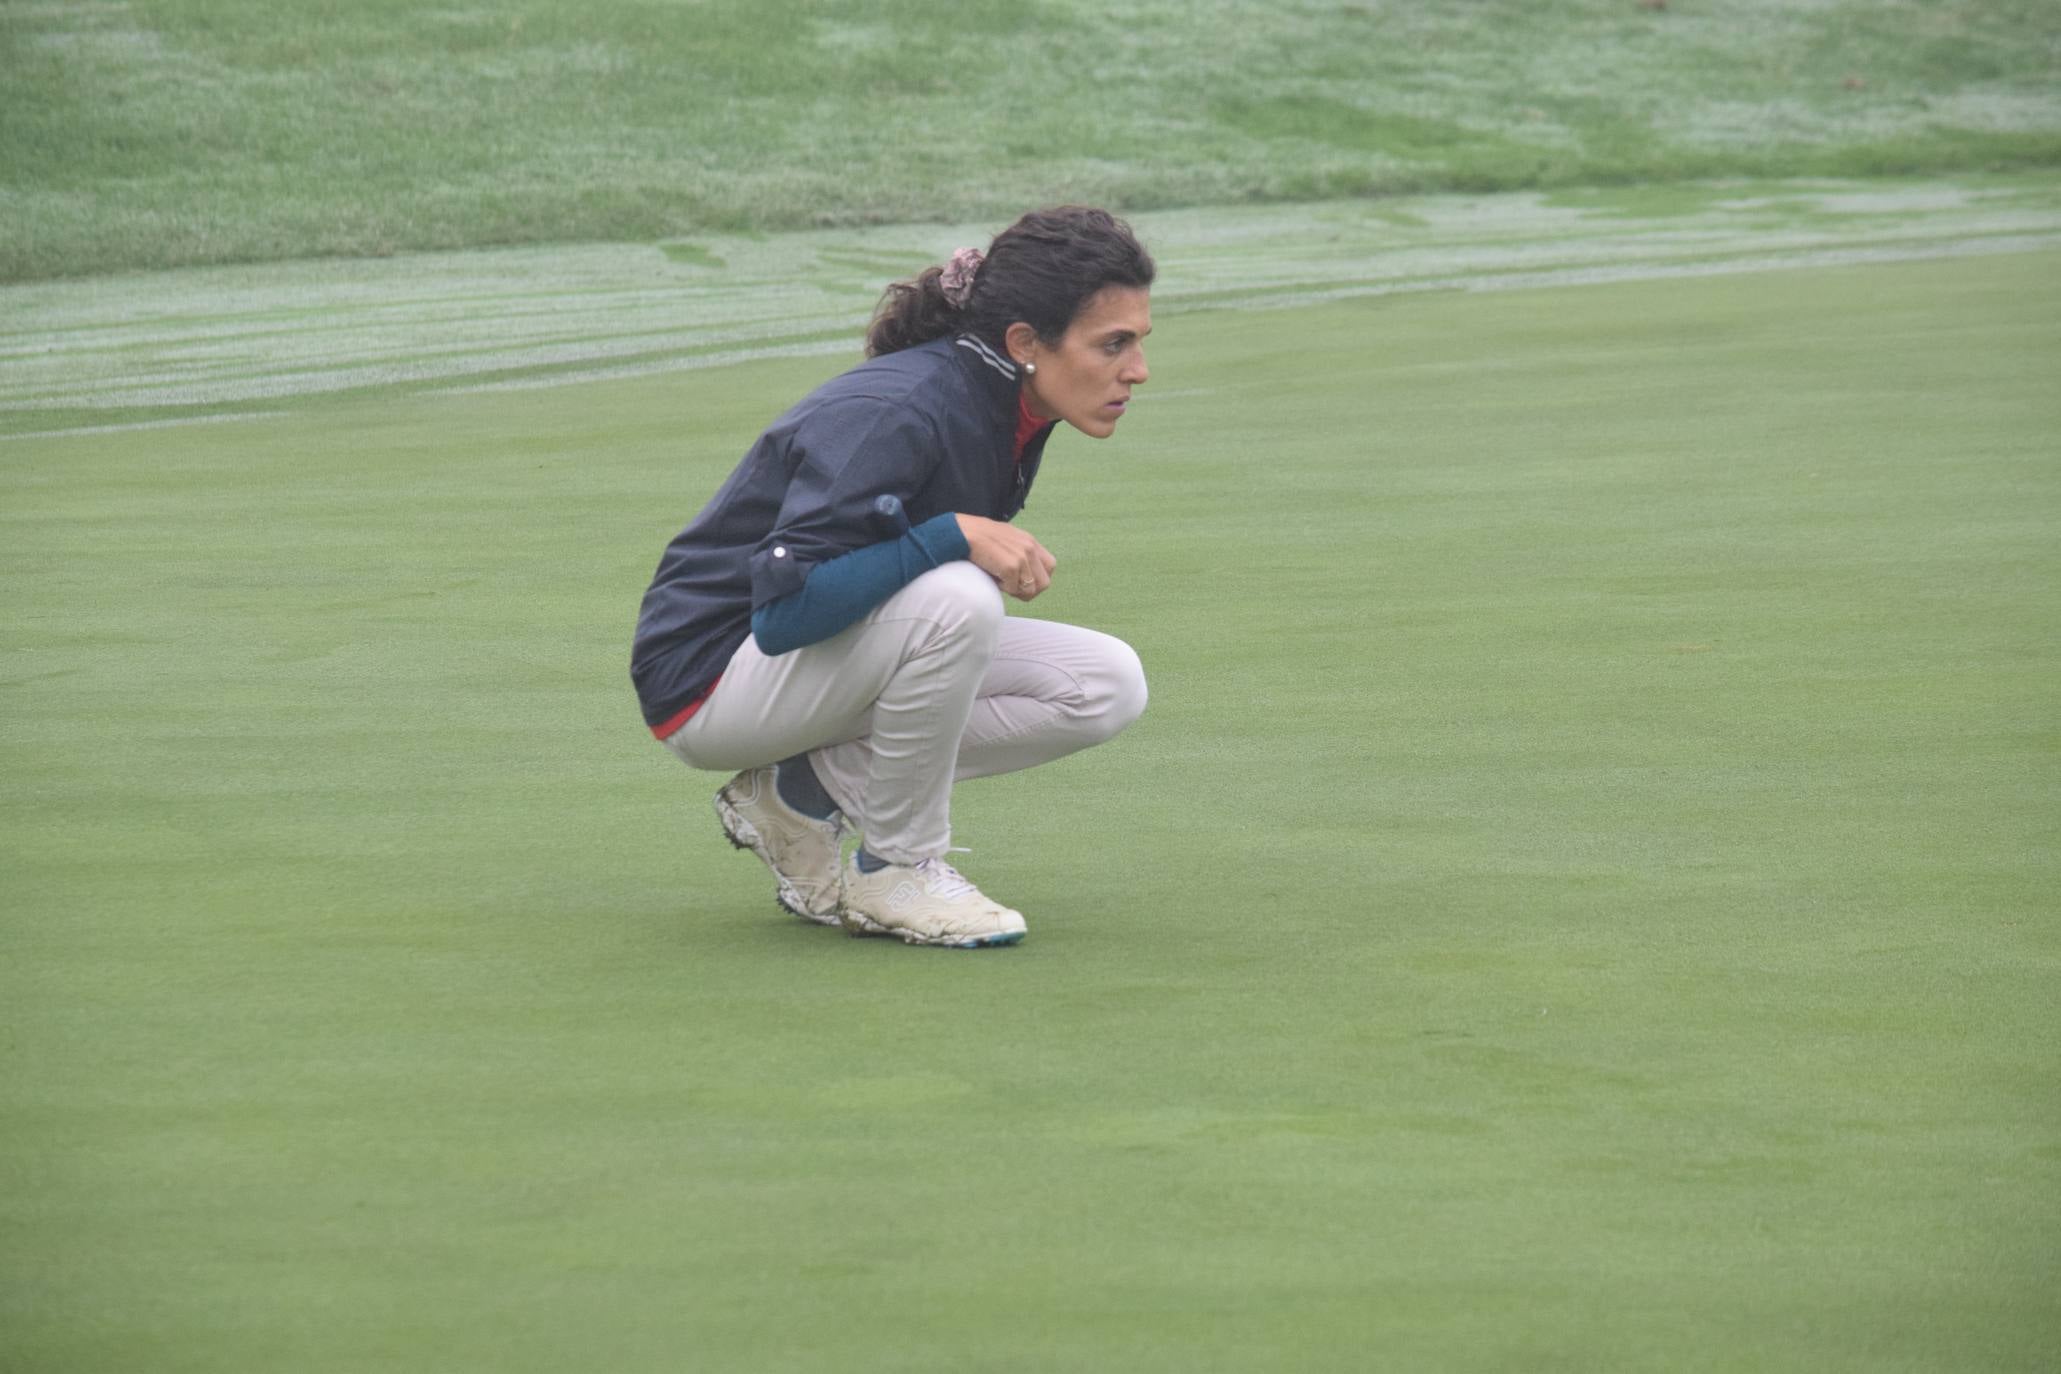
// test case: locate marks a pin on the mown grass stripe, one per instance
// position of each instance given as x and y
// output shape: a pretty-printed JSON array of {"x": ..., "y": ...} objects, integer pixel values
[{"x": 526, "y": 317}]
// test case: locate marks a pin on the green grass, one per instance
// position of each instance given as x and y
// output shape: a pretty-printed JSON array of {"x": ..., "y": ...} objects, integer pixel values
[
  {"x": 1582, "y": 896},
  {"x": 153, "y": 133}
]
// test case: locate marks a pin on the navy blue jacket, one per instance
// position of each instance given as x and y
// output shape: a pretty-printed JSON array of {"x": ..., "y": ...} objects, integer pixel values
[{"x": 933, "y": 426}]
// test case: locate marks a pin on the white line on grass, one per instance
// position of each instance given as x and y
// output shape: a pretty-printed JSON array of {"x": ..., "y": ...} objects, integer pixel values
[{"x": 77, "y": 431}]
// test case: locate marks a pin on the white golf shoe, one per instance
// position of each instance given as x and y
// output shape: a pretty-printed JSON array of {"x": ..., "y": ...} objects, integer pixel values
[
  {"x": 801, "y": 850},
  {"x": 929, "y": 903}
]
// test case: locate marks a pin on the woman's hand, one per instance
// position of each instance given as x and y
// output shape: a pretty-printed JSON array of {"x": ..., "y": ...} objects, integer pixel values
[{"x": 1020, "y": 564}]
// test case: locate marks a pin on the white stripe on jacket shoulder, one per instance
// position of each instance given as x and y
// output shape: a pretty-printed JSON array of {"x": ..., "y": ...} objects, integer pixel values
[{"x": 988, "y": 355}]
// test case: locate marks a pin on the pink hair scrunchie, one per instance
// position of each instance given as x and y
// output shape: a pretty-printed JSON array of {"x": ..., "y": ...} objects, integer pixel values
[{"x": 956, "y": 281}]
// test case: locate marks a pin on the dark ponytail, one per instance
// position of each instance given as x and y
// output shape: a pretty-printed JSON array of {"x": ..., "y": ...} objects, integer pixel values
[
  {"x": 1040, "y": 270},
  {"x": 912, "y": 312}
]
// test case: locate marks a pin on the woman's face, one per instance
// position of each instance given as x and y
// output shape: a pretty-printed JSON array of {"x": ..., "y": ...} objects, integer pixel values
[{"x": 1087, "y": 379}]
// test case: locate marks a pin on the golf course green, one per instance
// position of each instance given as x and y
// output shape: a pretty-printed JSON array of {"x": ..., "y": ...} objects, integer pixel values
[{"x": 1581, "y": 897}]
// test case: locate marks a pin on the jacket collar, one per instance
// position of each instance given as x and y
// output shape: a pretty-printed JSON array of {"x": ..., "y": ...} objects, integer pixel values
[{"x": 996, "y": 369}]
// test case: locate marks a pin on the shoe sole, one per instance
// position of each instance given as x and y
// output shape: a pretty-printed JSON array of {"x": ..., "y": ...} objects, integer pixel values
[
  {"x": 910, "y": 937},
  {"x": 868, "y": 929},
  {"x": 742, "y": 834},
  {"x": 1002, "y": 941}
]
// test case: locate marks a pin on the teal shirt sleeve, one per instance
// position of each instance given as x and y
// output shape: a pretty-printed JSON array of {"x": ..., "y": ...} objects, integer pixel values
[{"x": 843, "y": 590}]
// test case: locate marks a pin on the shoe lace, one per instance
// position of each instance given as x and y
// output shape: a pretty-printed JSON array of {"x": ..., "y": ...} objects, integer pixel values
[{"x": 945, "y": 880}]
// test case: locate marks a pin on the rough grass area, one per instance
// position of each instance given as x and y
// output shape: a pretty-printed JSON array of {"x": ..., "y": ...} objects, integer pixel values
[
  {"x": 150, "y": 133},
  {"x": 1582, "y": 896}
]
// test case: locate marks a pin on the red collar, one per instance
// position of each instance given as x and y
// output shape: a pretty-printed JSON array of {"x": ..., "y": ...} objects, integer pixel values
[{"x": 1027, "y": 424}]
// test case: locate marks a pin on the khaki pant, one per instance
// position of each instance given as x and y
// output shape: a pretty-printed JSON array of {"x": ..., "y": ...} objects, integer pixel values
[{"x": 936, "y": 685}]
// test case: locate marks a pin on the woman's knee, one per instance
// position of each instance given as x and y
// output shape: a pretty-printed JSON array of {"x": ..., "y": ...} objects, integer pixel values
[
  {"x": 959, "y": 595},
  {"x": 1121, "y": 683}
]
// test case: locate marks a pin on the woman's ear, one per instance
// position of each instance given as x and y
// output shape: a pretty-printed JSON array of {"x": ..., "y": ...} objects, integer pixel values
[{"x": 1020, "y": 339}]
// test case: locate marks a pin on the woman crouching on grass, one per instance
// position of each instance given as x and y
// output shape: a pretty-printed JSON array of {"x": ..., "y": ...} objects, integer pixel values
[{"x": 832, "y": 621}]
